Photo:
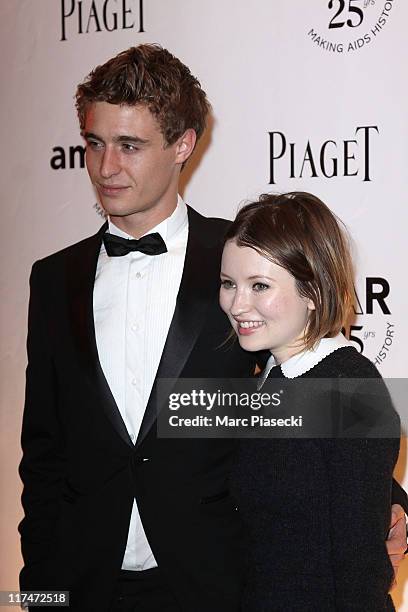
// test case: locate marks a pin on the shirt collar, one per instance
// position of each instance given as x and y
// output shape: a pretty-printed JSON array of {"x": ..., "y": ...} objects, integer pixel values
[
  {"x": 168, "y": 228},
  {"x": 303, "y": 362}
]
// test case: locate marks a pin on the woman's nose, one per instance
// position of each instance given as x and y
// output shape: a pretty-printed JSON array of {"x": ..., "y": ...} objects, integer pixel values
[{"x": 240, "y": 304}]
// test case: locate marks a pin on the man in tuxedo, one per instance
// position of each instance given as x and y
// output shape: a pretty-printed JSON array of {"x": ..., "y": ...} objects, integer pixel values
[{"x": 121, "y": 518}]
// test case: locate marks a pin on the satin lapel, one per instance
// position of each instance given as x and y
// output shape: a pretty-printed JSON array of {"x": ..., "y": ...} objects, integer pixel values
[
  {"x": 81, "y": 268},
  {"x": 199, "y": 285}
]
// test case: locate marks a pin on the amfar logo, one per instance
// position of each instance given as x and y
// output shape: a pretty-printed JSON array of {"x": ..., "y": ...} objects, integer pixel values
[
  {"x": 346, "y": 26},
  {"x": 374, "y": 339},
  {"x": 87, "y": 16},
  {"x": 73, "y": 157},
  {"x": 328, "y": 159}
]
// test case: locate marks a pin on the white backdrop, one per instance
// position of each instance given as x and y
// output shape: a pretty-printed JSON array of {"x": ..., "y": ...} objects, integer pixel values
[{"x": 306, "y": 95}]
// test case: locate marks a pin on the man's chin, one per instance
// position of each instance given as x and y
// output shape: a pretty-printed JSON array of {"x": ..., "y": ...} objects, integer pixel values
[{"x": 117, "y": 211}]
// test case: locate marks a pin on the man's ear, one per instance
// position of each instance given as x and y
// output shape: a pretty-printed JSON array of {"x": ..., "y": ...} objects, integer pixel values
[{"x": 185, "y": 146}]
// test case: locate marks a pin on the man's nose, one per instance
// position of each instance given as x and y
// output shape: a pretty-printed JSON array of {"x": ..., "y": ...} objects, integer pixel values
[{"x": 110, "y": 163}]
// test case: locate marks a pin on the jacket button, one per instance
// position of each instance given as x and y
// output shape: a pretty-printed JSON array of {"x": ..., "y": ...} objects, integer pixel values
[{"x": 137, "y": 461}]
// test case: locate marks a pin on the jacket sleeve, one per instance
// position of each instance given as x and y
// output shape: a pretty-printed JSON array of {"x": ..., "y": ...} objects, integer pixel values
[
  {"x": 360, "y": 476},
  {"x": 399, "y": 496},
  {"x": 42, "y": 465}
]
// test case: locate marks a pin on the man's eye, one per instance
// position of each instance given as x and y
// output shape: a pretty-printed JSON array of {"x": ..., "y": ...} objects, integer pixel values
[
  {"x": 93, "y": 144},
  {"x": 129, "y": 148},
  {"x": 227, "y": 284},
  {"x": 260, "y": 286}
]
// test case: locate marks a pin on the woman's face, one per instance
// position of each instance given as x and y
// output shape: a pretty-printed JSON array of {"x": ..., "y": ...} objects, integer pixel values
[{"x": 262, "y": 303}]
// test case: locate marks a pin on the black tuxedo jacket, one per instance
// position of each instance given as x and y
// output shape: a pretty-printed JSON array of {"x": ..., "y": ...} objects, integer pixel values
[{"x": 80, "y": 469}]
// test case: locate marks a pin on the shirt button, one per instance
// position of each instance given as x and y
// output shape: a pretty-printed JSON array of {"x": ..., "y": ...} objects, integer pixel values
[
  {"x": 132, "y": 437},
  {"x": 134, "y": 381},
  {"x": 138, "y": 275},
  {"x": 135, "y": 327}
]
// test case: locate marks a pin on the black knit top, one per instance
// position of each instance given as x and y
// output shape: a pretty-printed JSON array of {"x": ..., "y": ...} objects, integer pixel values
[{"x": 317, "y": 513}]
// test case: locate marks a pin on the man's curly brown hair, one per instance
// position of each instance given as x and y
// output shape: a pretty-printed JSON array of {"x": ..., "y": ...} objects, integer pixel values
[{"x": 152, "y": 76}]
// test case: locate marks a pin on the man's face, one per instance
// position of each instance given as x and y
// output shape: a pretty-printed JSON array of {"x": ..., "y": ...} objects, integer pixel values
[{"x": 134, "y": 173}]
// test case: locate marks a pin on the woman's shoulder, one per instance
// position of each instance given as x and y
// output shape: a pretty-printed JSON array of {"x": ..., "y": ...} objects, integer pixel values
[{"x": 345, "y": 362}]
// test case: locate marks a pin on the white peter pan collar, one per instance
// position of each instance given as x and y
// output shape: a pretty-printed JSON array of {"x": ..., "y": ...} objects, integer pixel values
[{"x": 305, "y": 361}]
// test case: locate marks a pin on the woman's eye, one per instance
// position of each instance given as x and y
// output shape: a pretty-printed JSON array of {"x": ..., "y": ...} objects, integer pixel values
[
  {"x": 260, "y": 287},
  {"x": 226, "y": 284}
]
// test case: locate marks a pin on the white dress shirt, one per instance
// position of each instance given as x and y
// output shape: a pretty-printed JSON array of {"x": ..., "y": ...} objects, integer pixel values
[{"x": 134, "y": 300}]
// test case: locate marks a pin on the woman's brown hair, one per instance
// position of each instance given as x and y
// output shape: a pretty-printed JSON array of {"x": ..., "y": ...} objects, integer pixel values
[{"x": 299, "y": 232}]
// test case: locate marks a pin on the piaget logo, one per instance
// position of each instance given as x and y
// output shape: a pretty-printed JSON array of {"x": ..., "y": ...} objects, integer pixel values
[
  {"x": 92, "y": 16},
  {"x": 346, "y": 26},
  {"x": 348, "y": 157}
]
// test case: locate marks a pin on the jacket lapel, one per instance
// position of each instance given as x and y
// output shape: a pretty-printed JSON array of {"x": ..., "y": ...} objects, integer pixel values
[
  {"x": 81, "y": 269},
  {"x": 199, "y": 284}
]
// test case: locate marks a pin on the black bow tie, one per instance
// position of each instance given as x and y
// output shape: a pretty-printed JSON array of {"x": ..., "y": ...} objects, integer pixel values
[{"x": 151, "y": 244}]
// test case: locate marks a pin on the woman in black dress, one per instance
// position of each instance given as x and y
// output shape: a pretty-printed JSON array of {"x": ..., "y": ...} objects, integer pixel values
[{"x": 317, "y": 509}]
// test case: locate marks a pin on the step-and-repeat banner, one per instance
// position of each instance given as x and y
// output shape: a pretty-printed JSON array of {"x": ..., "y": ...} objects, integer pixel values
[{"x": 307, "y": 96}]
